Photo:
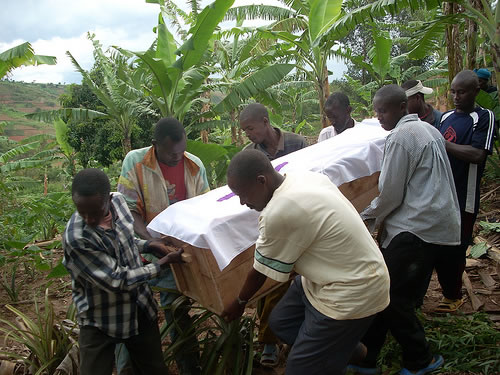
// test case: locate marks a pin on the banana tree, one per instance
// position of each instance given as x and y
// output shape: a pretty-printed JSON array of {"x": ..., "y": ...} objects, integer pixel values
[
  {"x": 22, "y": 55},
  {"x": 177, "y": 74},
  {"x": 487, "y": 18},
  {"x": 307, "y": 43},
  {"x": 297, "y": 95},
  {"x": 119, "y": 91}
]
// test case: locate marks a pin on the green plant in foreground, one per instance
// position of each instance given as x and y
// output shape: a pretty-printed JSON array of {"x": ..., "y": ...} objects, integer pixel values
[
  {"x": 468, "y": 343},
  {"x": 487, "y": 227},
  {"x": 47, "y": 341},
  {"x": 10, "y": 285},
  {"x": 225, "y": 348}
]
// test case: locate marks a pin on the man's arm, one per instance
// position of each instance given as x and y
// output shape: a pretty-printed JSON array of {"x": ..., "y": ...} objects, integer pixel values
[
  {"x": 466, "y": 153},
  {"x": 392, "y": 184},
  {"x": 102, "y": 270},
  {"x": 140, "y": 227},
  {"x": 253, "y": 283}
]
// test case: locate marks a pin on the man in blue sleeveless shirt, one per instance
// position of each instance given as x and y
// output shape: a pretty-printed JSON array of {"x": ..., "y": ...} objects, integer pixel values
[{"x": 468, "y": 131}]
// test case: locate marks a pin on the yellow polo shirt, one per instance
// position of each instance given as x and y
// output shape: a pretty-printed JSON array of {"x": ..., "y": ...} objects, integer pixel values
[{"x": 309, "y": 227}]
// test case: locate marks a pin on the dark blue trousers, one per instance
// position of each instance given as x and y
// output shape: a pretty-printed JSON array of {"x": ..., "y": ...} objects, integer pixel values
[{"x": 320, "y": 345}]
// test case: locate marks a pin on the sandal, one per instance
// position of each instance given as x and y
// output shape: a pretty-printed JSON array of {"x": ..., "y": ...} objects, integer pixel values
[
  {"x": 437, "y": 362},
  {"x": 449, "y": 305},
  {"x": 269, "y": 357}
]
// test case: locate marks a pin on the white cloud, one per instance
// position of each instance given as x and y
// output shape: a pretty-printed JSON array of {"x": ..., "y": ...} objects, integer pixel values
[{"x": 55, "y": 26}]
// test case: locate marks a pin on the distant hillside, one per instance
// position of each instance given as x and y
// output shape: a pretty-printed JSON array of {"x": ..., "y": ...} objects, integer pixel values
[{"x": 19, "y": 98}]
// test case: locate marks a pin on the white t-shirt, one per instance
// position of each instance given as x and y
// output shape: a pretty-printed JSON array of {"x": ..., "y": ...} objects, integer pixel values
[
  {"x": 310, "y": 227},
  {"x": 330, "y": 132},
  {"x": 326, "y": 133}
]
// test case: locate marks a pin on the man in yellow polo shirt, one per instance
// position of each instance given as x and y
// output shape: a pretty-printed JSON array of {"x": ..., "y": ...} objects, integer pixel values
[{"x": 307, "y": 226}]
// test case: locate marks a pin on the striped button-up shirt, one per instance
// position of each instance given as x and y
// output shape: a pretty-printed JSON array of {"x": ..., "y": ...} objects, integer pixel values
[
  {"x": 109, "y": 281},
  {"x": 417, "y": 193}
]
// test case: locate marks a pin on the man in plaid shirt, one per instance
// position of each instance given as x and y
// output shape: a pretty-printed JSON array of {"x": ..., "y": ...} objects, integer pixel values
[{"x": 109, "y": 281}]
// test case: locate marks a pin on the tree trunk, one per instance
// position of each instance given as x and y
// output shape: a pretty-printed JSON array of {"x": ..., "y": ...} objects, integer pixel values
[
  {"x": 234, "y": 135},
  {"x": 324, "y": 93},
  {"x": 471, "y": 30},
  {"x": 204, "y": 108},
  {"x": 126, "y": 144},
  {"x": 496, "y": 50},
  {"x": 453, "y": 45}
]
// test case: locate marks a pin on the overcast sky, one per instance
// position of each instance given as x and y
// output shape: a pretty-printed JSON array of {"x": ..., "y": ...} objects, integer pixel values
[{"x": 56, "y": 26}]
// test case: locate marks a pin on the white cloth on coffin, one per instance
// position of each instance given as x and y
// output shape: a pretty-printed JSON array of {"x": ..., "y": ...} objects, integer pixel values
[{"x": 218, "y": 222}]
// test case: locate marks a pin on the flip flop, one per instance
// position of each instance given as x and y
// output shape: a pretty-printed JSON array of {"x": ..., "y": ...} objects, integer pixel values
[
  {"x": 437, "y": 362},
  {"x": 449, "y": 305},
  {"x": 269, "y": 357}
]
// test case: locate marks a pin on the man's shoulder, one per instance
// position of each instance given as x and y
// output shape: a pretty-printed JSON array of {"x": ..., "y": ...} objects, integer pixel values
[
  {"x": 250, "y": 146},
  {"x": 73, "y": 232},
  {"x": 291, "y": 135},
  {"x": 447, "y": 116},
  {"x": 294, "y": 140},
  {"x": 118, "y": 199},
  {"x": 135, "y": 156},
  {"x": 195, "y": 159}
]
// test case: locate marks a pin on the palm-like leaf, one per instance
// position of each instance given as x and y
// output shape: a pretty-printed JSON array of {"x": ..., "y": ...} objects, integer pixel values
[
  {"x": 73, "y": 114},
  {"x": 252, "y": 85},
  {"x": 374, "y": 9},
  {"x": 265, "y": 12},
  {"x": 19, "y": 150},
  {"x": 206, "y": 22},
  {"x": 431, "y": 35},
  {"x": 22, "y": 54}
]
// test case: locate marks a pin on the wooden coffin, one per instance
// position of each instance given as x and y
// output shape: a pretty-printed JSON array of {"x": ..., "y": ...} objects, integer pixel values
[{"x": 202, "y": 280}]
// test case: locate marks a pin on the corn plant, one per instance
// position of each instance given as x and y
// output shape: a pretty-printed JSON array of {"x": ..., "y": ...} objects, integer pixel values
[
  {"x": 225, "y": 348},
  {"x": 47, "y": 341}
]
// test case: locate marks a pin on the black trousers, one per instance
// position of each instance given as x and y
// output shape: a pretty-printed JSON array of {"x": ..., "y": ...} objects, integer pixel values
[
  {"x": 410, "y": 262},
  {"x": 97, "y": 350},
  {"x": 450, "y": 262}
]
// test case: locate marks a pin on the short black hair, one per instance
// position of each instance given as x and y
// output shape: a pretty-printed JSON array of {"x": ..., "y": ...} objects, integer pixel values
[
  {"x": 338, "y": 98},
  {"x": 254, "y": 111},
  {"x": 89, "y": 182},
  {"x": 169, "y": 127},
  {"x": 248, "y": 164},
  {"x": 393, "y": 94},
  {"x": 468, "y": 77}
]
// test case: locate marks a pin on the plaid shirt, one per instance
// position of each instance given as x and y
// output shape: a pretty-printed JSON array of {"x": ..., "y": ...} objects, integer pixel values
[{"x": 109, "y": 281}]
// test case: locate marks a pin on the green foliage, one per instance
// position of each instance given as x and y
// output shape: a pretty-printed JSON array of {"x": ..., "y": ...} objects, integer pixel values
[
  {"x": 47, "y": 216},
  {"x": 252, "y": 85},
  {"x": 9, "y": 284},
  {"x": 226, "y": 348},
  {"x": 487, "y": 227},
  {"x": 20, "y": 55},
  {"x": 215, "y": 158},
  {"x": 177, "y": 75},
  {"x": 469, "y": 344},
  {"x": 47, "y": 341},
  {"x": 478, "y": 250},
  {"x": 35, "y": 218}
]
